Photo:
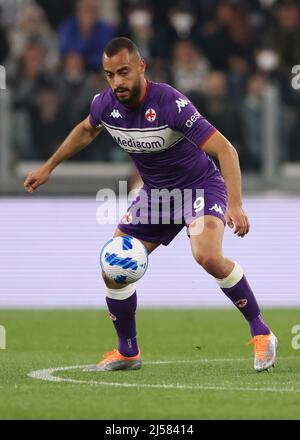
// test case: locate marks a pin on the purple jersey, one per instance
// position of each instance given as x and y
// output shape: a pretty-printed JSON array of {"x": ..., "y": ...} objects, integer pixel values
[{"x": 163, "y": 136}]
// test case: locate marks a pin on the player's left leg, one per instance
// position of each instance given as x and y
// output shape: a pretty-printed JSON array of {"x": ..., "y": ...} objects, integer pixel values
[{"x": 207, "y": 251}]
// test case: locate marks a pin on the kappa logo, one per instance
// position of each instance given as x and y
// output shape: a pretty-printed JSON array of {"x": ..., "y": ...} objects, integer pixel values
[
  {"x": 181, "y": 103},
  {"x": 115, "y": 113},
  {"x": 241, "y": 303},
  {"x": 150, "y": 115},
  {"x": 217, "y": 208}
]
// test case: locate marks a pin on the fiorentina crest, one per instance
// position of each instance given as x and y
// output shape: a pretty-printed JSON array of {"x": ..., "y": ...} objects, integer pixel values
[
  {"x": 150, "y": 115},
  {"x": 241, "y": 303}
]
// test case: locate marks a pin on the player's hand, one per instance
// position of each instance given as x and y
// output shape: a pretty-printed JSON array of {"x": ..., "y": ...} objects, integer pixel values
[
  {"x": 36, "y": 178},
  {"x": 237, "y": 218}
]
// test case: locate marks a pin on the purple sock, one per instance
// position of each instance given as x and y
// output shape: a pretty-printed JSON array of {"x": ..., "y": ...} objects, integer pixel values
[
  {"x": 258, "y": 327},
  {"x": 122, "y": 313},
  {"x": 243, "y": 298}
]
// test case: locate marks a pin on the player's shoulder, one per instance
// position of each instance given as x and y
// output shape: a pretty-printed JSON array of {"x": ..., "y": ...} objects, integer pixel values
[
  {"x": 172, "y": 104},
  {"x": 99, "y": 102},
  {"x": 165, "y": 93},
  {"x": 102, "y": 97}
]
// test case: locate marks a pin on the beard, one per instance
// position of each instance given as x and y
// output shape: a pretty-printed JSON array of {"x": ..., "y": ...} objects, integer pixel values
[{"x": 132, "y": 96}]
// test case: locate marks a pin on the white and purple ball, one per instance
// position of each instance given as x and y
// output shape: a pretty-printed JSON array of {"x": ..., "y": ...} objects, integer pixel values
[{"x": 124, "y": 259}]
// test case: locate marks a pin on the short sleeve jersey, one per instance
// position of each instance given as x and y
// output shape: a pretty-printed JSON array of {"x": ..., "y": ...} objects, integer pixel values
[{"x": 163, "y": 135}]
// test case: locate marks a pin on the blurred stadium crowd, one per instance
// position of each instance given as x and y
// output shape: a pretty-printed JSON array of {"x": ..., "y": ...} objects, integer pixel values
[{"x": 221, "y": 54}]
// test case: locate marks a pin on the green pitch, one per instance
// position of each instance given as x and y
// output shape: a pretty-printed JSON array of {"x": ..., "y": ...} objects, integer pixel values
[{"x": 197, "y": 366}]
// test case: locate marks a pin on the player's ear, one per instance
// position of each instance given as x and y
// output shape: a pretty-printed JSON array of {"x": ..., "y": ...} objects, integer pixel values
[{"x": 142, "y": 65}]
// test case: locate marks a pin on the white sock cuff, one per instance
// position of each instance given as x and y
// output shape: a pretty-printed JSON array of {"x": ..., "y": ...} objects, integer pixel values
[
  {"x": 233, "y": 278},
  {"x": 123, "y": 293}
]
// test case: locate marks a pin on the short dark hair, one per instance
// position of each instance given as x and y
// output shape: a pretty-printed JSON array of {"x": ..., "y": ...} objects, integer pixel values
[{"x": 115, "y": 45}]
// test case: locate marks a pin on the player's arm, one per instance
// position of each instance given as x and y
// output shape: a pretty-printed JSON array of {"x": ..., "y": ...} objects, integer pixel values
[
  {"x": 181, "y": 115},
  {"x": 218, "y": 146},
  {"x": 81, "y": 136}
]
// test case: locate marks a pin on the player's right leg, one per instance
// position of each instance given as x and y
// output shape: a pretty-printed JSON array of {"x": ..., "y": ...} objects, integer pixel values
[
  {"x": 207, "y": 251},
  {"x": 121, "y": 300}
]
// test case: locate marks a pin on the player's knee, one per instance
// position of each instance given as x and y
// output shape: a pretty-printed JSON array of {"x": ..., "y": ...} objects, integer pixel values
[
  {"x": 209, "y": 261},
  {"x": 212, "y": 265}
]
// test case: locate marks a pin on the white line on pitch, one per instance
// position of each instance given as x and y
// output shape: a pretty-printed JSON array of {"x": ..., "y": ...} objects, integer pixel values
[{"x": 47, "y": 374}]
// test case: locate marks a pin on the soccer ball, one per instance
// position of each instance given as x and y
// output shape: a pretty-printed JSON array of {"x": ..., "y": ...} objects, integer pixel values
[{"x": 124, "y": 259}]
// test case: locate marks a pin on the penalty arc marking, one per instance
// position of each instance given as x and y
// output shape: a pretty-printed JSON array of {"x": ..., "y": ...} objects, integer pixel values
[{"x": 47, "y": 375}]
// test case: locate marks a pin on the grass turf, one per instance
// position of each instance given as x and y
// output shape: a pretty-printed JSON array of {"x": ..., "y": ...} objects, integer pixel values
[{"x": 220, "y": 378}]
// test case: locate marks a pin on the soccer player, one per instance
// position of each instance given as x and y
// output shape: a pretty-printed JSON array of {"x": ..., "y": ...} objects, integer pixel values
[{"x": 170, "y": 143}]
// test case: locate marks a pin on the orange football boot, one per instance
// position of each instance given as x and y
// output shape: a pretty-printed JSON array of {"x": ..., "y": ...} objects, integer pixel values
[
  {"x": 114, "y": 360},
  {"x": 265, "y": 347}
]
